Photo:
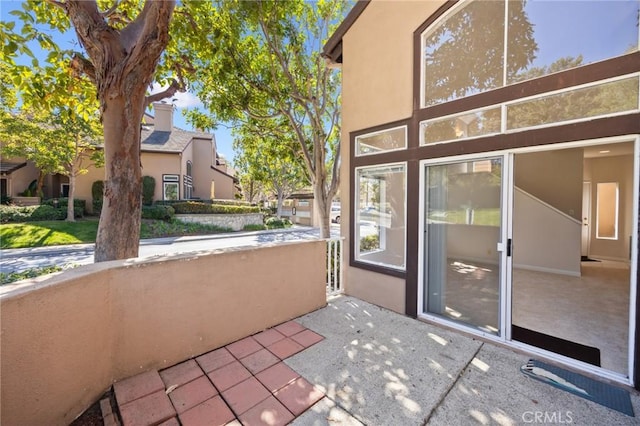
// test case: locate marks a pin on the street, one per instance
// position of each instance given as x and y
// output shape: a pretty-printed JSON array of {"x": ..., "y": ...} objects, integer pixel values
[{"x": 17, "y": 260}]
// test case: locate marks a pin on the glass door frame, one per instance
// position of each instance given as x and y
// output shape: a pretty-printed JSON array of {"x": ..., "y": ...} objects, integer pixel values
[{"x": 504, "y": 302}]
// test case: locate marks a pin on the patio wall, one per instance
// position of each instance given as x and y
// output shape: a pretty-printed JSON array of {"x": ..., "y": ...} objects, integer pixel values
[{"x": 67, "y": 337}]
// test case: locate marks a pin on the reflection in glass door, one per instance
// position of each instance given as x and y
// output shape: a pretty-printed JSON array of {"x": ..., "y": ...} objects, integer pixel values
[{"x": 463, "y": 232}]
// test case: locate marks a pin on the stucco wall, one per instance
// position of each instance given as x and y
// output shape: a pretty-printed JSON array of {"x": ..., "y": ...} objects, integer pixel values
[
  {"x": 223, "y": 186},
  {"x": 377, "y": 88},
  {"x": 67, "y": 337}
]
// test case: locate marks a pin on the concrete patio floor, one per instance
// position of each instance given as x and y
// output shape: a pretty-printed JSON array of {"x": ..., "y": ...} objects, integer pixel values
[{"x": 353, "y": 363}]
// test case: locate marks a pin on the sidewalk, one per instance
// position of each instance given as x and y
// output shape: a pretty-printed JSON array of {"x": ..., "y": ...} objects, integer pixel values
[{"x": 363, "y": 365}]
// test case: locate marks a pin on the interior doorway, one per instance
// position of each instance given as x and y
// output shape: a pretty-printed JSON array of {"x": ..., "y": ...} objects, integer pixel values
[{"x": 571, "y": 282}]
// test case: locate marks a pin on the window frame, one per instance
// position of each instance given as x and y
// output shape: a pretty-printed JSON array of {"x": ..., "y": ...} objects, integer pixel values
[
  {"x": 379, "y": 132},
  {"x": 355, "y": 259}
]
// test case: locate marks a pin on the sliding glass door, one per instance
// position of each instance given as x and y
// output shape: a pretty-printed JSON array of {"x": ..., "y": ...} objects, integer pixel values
[{"x": 464, "y": 242}]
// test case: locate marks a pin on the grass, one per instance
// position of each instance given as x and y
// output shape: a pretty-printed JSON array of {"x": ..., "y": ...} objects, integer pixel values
[
  {"x": 47, "y": 233},
  {"x": 51, "y": 233}
]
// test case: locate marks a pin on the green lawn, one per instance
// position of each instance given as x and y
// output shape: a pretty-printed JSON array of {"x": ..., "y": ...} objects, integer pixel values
[
  {"x": 47, "y": 233},
  {"x": 51, "y": 233}
]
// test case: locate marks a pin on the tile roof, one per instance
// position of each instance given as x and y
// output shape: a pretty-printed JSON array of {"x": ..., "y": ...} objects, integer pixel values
[{"x": 174, "y": 141}]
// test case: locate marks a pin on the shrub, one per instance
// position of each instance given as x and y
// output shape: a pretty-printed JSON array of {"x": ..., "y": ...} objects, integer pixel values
[
  {"x": 30, "y": 213},
  {"x": 276, "y": 223},
  {"x": 196, "y": 207},
  {"x": 254, "y": 227},
  {"x": 232, "y": 202},
  {"x": 158, "y": 212},
  {"x": 369, "y": 243},
  {"x": 148, "y": 190},
  {"x": 79, "y": 206},
  {"x": 5, "y": 199},
  {"x": 6, "y": 278},
  {"x": 97, "y": 193}
]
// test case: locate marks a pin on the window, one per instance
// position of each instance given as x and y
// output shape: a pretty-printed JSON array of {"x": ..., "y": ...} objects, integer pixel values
[
  {"x": 461, "y": 126},
  {"x": 587, "y": 102},
  {"x": 385, "y": 140},
  {"x": 188, "y": 181},
  {"x": 607, "y": 211},
  {"x": 464, "y": 53},
  {"x": 170, "y": 187},
  {"x": 380, "y": 215}
]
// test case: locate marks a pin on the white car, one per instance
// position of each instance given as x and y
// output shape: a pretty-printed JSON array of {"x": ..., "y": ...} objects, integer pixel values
[{"x": 335, "y": 214}]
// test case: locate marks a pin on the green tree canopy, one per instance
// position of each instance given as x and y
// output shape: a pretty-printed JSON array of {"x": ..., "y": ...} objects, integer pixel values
[{"x": 265, "y": 64}]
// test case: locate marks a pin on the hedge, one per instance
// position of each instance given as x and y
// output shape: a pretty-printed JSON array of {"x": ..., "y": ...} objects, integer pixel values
[
  {"x": 158, "y": 212},
  {"x": 276, "y": 223},
  {"x": 193, "y": 207},
  {"x": 31, "y": 213},
  {"x": 79, "y": 206}
]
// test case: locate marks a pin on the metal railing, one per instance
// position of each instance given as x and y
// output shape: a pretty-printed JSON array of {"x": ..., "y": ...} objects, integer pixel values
[{"x": 334, "y": 266}]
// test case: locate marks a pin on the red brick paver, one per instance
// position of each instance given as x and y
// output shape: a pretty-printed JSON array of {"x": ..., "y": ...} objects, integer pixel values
[
  {"x": 299, "y": 396},
  {"x": 137, "y": 386},
  {"x": 244, "y": 383},
  {"x": 285, "y": 348},
  {"x": 213, "y": 412},
  {"x": 181, "y": 374},
  {"x": 192, "y": 394},
  {"x": 277, "y": 376},
  {"x": 244, "y": 347},
  {"x": 229, "y": 375},
  {"x": 245, "y": 395},
  {"x": 258, "y": 361},
  {"x": 148, "y": 410},
  {"x": 215, "y": 359},
  {"x": 268, "y": 412},
  {"x": 269, "y": 336},
  {"x": 307, "y": 338},
  {"x": 290, "y": 328}
]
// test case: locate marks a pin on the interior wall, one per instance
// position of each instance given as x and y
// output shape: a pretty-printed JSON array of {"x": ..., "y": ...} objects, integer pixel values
[
  {"x": 555, "y": 177},
  {"x": 612, "y": 169},
  {"x": 544, "y": 239}
]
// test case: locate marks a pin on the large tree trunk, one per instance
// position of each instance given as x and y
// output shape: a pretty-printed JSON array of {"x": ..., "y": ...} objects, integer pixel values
[{"x": 119, "y": 229}]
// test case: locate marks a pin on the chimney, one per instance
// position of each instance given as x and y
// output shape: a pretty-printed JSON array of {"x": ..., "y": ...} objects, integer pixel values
[{"x": 163, "y": 120}]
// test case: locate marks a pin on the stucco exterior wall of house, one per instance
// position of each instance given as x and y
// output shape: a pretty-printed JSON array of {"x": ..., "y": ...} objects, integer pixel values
[
  {"x": 203, "y": 159},
  {"x": 224, "y": 188},
  {"x": 156, "y": 164},
  {"x": 377, "y": 88},
  {"x": 67, "y": 337},
  {"x": 20, "y": 179},
  {"x": 84, "y": 184}
]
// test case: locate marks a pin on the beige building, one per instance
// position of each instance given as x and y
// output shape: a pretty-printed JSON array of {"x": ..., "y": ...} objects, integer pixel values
[
  {"x": 491, "y": 175},
  {"x": 184, "y": 164}
]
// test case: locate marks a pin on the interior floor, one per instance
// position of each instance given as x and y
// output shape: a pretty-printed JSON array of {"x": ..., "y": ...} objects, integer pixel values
[{"x": 592, "y": 310}]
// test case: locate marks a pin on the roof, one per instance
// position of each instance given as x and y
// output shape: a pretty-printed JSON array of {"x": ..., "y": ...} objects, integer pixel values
[
  {"x": 235, "y": 179},
  {"x": 175, "y": 141},
  {"x": 333, "y": 47},
  {"x": 7, "y": 167}
]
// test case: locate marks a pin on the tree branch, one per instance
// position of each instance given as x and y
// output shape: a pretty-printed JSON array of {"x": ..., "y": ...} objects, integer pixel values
[
  {"x": 168, "y": 92},
  {"x": 107, "y": 13},
  {"x": 82, "y": 66}
]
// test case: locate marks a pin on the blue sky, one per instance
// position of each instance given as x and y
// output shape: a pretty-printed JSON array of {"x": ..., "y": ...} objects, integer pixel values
[{"x": 182, "y": 100}]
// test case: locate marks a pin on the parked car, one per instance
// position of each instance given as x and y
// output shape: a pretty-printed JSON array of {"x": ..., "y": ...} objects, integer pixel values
[{"x": 335, "y": 214}]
